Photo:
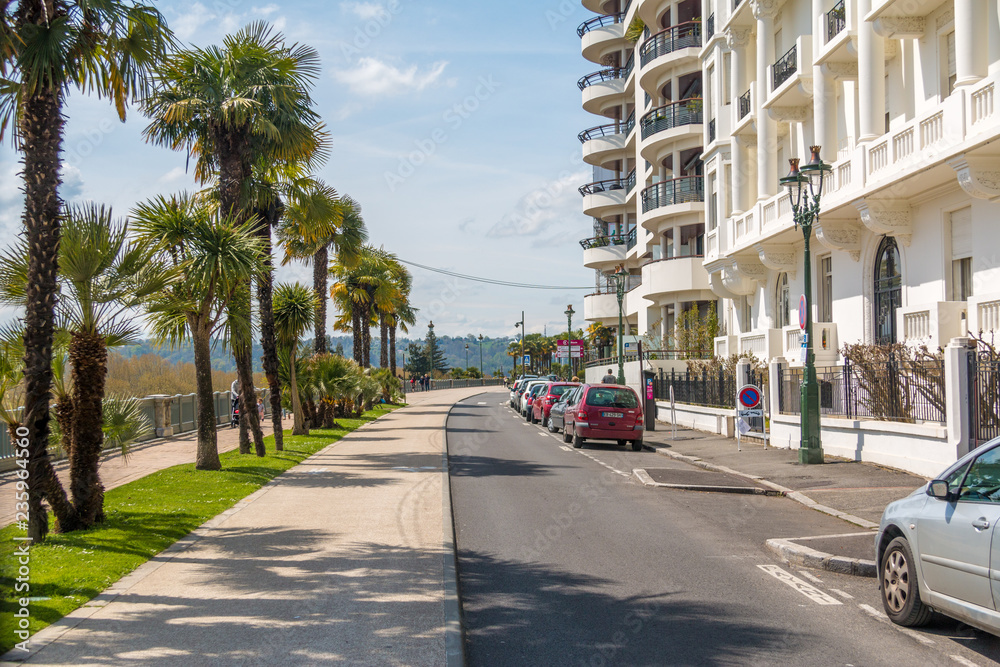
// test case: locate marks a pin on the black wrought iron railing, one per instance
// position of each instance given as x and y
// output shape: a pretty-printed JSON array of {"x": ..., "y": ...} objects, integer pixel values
[
  {"x": 685, "y": 112},
  {"x": 603, "y": 186},
  {"x": 682, "y": 190},
  {"x": 605, "y": 241},
  {"x": 984, "y": 396},
  {"x": 629, "y": 124},
  {"x": 710, "y": 27},
  {"x": 784, "y": 68},
  {"x": 608, "y": 129},
  {"x": 609, "y": 74},
  {"x": 711, "y": 130},
  {"x": 629, "y": 64},
  {"x": 630, "y": 181},
  {"x": 836, "y": 20},
  {"x": 630, "y": 240},
  {"x": 744, "y": 104},
  {"x": 598, "y": 22},
  {"x": 680, "y": 36}
]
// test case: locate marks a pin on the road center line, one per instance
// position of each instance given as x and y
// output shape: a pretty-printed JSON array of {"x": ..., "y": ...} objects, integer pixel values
[
  {"x": 807, "y": 589},
  {"x": 846, "y": 596}
]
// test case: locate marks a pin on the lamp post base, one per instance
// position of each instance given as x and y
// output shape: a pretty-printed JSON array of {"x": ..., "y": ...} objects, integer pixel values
[{"x": 811, "y": 455}]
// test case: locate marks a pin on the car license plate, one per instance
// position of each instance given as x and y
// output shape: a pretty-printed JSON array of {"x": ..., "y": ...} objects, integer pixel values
[{"x": 613, "y": 415}]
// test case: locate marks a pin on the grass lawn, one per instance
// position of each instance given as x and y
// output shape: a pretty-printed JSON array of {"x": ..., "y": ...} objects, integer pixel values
[{"x": 144, "y": 517}]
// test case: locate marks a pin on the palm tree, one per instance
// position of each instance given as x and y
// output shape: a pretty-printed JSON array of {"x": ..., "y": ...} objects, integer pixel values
[
  {"x": 400, "y": 284},
  {"x": 106, "y": 47},
  {"x": 233, "y": 107},
  {"x": 294, "y": 305},
  {"x": 102, "y": 278},
  {"x": 363, "y": 290},
  {"x": 213, "y": 256},
  {"x": 404, "y": 317}
]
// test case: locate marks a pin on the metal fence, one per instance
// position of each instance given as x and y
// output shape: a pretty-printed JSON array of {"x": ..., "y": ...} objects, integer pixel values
[
  {"x": 714, "y": 390},
  {"x": 897, "y": 390},
  {"x": 456, "y": 384},
  {"x": 984, "y": 397}
]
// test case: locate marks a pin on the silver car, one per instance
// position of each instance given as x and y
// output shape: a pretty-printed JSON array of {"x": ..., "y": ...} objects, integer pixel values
[{"x": 935, "y": 547}]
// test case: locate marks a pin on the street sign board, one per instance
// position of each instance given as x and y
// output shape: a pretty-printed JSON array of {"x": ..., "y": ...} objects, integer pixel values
[
  {"x": 748, "y": 396},
  {"x": 802, "y": 312},
  {"x": 527, "y": 360},
  {"x": 757, "y": 412}
]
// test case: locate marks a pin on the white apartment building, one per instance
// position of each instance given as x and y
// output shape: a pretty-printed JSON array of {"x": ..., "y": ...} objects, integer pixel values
[{"x": 900, "y": 96}]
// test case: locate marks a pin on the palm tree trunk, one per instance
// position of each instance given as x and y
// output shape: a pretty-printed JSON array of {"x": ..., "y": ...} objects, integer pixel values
[
  {"x": 392, "y": 348},
  {"x": 366, "y": 336},
  {"x": 298, "y": 425},
  {"x": 358, "y": 337},
  {"x": 269, "y": 358},
  {"x": 383, "y": 356},
  {"x": 41, "y": 136},
  {"x": 88, "y": 357},
  {"x": 249, "y": 419},
  {"x": 207, "y": 457},
  {"x": 321, "y": 269}
]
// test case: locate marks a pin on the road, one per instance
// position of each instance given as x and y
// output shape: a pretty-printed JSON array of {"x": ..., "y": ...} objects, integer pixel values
[{"x": 565, "y": 559}]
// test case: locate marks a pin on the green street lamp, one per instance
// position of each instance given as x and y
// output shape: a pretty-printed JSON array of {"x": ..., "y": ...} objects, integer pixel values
[
  {"x": 805, "y": 211},
  {"x": 621, "y": 278},
  {"x": 466, "y": 357},
  {"x": 482, "y": 371},
  {"x": 569, "y": 332},
  {"x": 521, "y": 326}
]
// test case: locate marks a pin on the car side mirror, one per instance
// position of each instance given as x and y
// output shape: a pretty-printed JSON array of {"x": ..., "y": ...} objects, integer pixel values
[{"x": 938, "y": 488}]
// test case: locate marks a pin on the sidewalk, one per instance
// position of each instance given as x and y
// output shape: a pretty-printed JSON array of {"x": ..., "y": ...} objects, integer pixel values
[
  {"x": 347, "y": 557},
  {"x": 854, "y": 491},
  {"x": 144, "y": 459}
]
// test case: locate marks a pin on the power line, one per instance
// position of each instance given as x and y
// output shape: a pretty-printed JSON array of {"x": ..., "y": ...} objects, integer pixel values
[{"x": 489, "y": 281}]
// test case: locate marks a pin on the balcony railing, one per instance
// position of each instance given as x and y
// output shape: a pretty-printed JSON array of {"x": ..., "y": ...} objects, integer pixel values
[
  {"x": 685, "y": 112},
  {"x": 605, "y": 241},
  {"x": 711, "y": 130},
  {"x": 607, "y": 285},
  {"x": 603, "y": 186},
  {"x": 710, "y": 27},
  {"x": 682, "y": 190},
  {"x": 744, "y": 104},
  {"x": 836, "y": 20},
  {"x": 629, "y": 124},
  {"x": 681, "y": 36},
  {"x": 784, "y": 68},
  {"x": 598, "y": 22},
  {"x": 609, "y": 74},
  {"x": 630, "y": 240},
  {"x": 630, "y": 180},
  {"x": 608, "y": 130}
]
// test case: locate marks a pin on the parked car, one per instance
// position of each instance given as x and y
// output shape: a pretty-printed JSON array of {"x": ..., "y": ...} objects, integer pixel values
[
  {"x": 531, "y": 384},
  {"x": 559, "y": 408},
  {"x": 541, "y": 407},
  {"x": 529, "y": 395},
  {"x": 604, "y": 412},
  {"x": 515, "y": 392},
  {"x": 936, "y": 547}
]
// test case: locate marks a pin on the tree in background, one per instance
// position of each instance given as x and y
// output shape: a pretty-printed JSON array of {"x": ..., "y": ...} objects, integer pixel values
[
  {"x": 294, "y": 305},
  {"x": 416, "y": 359},
  {"x": 361, "y": 290},
  {"x": 696, "y": 330},
  {"x": 434, "y": 357},
  {"x": 47, "y": 48}
]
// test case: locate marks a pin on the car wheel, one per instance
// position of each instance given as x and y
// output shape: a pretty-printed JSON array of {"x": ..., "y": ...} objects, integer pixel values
[
  {"x": 566, "y": 435},
  {"x": 531, "y": 418},
  {"x": 548, "y": 425},
  {"x": 900, "y": 590},
  {"x": 637, "y": 445},
  {"x": 622, "y": 443},
  {"x": 577, "y": 441}
]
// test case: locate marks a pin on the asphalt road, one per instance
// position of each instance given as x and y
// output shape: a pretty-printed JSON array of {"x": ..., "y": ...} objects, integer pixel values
[{"x": 564, "y": 559}]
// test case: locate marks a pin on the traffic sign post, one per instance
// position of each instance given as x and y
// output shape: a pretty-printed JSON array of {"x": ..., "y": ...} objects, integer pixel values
[{"x": 747, "y": 399}]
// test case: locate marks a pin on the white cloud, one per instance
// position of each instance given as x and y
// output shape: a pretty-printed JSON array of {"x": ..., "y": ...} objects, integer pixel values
[
  {"x": 266, "y": 10},
  {"x": 190, "y": 21},
  {"x": 372, "y": 77},
  {"x": 364, "y": 10},
  {"x": 543, "y": 208},
  {"x": 72, "y": 182}
]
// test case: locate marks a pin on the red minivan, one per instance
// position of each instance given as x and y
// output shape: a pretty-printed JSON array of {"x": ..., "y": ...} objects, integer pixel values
[
  {"x": 540, "y": 408},
  {"x": 605, "y": 412}
]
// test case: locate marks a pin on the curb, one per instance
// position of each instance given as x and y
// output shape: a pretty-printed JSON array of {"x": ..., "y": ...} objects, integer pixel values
[
  {"x": 454, "y": 630},
  {"x": 805, "y": 556},
  {"x": 782, "y": 490},
  {"x": 646, "y": 480}
]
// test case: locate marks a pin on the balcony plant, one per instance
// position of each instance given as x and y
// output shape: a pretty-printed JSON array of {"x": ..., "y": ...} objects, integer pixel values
[{"x": 636, "y": 29}]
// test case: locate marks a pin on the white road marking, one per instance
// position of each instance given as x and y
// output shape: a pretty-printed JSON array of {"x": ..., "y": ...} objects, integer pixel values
[
  {"x": 483, "y": 403},
  {"x": 568, "y": 449},
  {"x": 842, "y": 594},
  {"x": 807, "y": 589},
  {"x": 599, "y": 462},
  {"x": 962, "y": 661},
  {"x": 544, "y": 435},
  {"x": 882, "y": 618},
  {"x": 811, "y": 577}
]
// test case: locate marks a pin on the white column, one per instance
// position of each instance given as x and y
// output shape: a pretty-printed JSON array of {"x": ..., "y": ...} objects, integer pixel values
[
  {"x": 971, "y": 41},
  {"x": 740, "y": 174},
  {"x": 663, "y": 246},
  {"x": 664, "y": 328},
  {"x": 767, "y": 129},
  {"x": 738, "y": 39},
  {"x": 824, "y": 96},
  {"x": 871, "y": 77},
  {"x": 956, "y": 378}
]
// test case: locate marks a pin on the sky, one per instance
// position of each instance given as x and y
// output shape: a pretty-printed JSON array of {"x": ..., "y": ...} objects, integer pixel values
[{"x": 453, "y": 123}]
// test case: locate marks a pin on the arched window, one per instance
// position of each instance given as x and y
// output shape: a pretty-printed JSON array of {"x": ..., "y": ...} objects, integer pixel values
[
  {"x": 781, "y": 301},
  {"x": 888, "y": 290}
]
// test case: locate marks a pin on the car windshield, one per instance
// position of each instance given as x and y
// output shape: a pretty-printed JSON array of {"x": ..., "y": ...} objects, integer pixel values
[
  {"x": 559, "y": 390},
  {"x": 612, "y": 397}
]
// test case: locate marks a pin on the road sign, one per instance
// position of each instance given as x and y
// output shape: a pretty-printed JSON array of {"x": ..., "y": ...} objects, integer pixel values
[
  {"x": 748, "y": 396},
  {"x": 527, "y": 360},
  {"x": 758, "y": 412},
  {"x": 802, "y": 312}
]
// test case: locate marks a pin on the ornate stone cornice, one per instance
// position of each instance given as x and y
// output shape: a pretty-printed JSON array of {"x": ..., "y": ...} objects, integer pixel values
[
  {"x": 900, "y": 27},
  {"x": 778, "y": 257},
  {"x": 947, "y": 16},
  {"x": 892, "y": 217},
  {"x": 978, "y": 176},
  {"x": 838, "y": 234},
  {"x": 844, "y": 70},
  {"x": 765, "y": 9},
  {"x": 751, "y": 267},
  {"x": 718, "y": 286},
  {"x": 737, "y": 38},
  {"x": 789, "y": 114},
  {"x": 736, "y": 283}
]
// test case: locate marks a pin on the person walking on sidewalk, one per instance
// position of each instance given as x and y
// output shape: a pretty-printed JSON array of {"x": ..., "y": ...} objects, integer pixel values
[
  {"x": 609, "y": 378},
  {"x": 234, "y": 394}
]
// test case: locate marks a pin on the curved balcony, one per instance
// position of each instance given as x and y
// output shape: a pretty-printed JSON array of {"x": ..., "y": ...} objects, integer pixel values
[
  {"x": 601, "y": 35},
  {"x": 604, "y": 143},
  {"x": 602, "y": 252},
  {"x": 666, "y": 278},
  {"x": 668, "y": 49},
  {"x": 662, "y": 128},
  {"x": 671, "y": 198},
  {"x": 603, "y": 89},
  {"x": 601, "y": 307},
  {"x": 602, "y": 198}
]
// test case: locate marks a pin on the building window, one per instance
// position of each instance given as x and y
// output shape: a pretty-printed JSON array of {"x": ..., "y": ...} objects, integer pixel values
[
  {"x": 961, "y": 276},
  {"x": 781, "y": 301},
  {"x": 713, "y": 203},
  {"x": 888, "y": 290},
  {"x": 826, "y": 288},
  {"x": 949, "y": 46},
  {"x": 961, "y": 254},
  {"x": 746, "y": 316}
]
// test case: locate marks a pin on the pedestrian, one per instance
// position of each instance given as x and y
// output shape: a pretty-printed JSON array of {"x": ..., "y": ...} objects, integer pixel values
[
  {"x": 609, "y": 378},
  {"x": 427, "y": 382},
  {"x": 234, "y": 394},
  {"x": 260, "y": 409},
  {"x": 575, "y": 379},
  {"x": 413, "y": 383}
]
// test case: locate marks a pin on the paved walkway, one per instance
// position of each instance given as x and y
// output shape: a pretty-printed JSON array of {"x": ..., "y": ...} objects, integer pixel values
[
  {"x": 145, "y": 458},
  {"x": 348, "y": 557}
]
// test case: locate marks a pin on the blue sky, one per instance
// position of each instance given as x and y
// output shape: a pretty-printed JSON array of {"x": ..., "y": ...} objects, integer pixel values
[{"x": 453, "y": 123}]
